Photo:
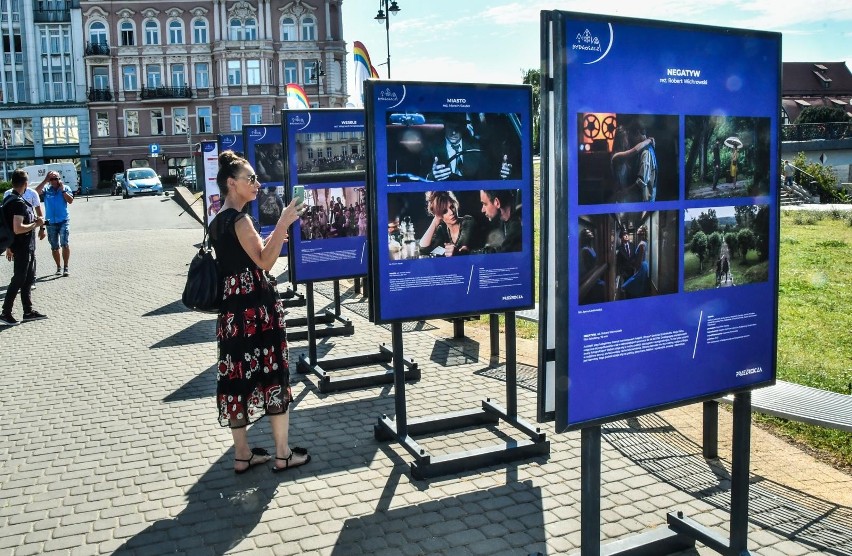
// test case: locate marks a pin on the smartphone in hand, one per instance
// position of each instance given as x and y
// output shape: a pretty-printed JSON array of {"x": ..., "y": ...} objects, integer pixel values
[{"x": 299, "y": 193}]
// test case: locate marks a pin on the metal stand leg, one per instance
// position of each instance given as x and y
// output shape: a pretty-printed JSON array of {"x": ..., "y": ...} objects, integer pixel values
[
  {"x": 711, "y": 430},
  {"x": 494, "y": 329},
  {"x": 740, "y": 460},
  {"x": 426, "y": 465},
  {"x": 590, "y": 491}
]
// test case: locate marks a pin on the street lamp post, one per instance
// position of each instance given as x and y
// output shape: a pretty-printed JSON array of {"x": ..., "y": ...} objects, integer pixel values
[
  {"x": 5, "y": 159},
  {"x": 316, "y": 73},
  {"x": 384, "y": 14}
]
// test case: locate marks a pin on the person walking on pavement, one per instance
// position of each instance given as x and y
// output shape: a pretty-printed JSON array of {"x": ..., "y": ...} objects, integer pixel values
[
  {"x": 31, "y": 196},
  {"x": 253, "y": 376},
  {"x": 23, "y": 221},
  {"x": 56, "y": 200}
]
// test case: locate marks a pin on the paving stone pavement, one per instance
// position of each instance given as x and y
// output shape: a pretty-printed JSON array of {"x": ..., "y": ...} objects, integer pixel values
[{"x": 111, "y": 445}]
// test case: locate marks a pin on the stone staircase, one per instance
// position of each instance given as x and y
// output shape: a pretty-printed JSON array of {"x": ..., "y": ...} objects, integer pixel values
[{"x": 796, "y": 195}]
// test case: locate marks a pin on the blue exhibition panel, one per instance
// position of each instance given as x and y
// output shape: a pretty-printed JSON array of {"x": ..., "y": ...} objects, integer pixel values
[
  {"x": 326, "y": 154},
  {"x": 451, "y": 198},
  {"x": 668, "y": 143}
]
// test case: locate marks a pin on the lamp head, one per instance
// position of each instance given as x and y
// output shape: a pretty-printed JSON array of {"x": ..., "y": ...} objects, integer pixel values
[
  {"x": 380, "y": 17},
  {"x": 394, "y": 8}
]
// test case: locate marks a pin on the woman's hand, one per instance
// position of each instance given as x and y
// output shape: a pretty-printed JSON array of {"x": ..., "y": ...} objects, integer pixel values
[
  {"x": 449, "y": 248},
  {"x": 291, "y": 213}
]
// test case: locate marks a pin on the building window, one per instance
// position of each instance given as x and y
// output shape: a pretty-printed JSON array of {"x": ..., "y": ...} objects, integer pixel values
[
  {"x": 236, "y": 118},
  {"x": 178, "y": 75},
  {"x": 309, "y": 29},
  {"x": 152, "y": 32},
  {"x": 235, "y": 76},
  {"x": 344, "y": 151},
  {"x": 98, "y": 33},
  {"x": 128, "y": 36},
  {"x": 288, "y": 29},
  {"x": 251, "y": 29},
  {"x": 158, "y": 122},
  {"x": 255, "y": 114},
  {"x": 328, "y": 152},
  {"x": 180, "y": 121},
  {"x": 101, "y": 124},
  {"x": 199, "y": 31},
  {"x": 310, "y": 153},
  {"x": 131, "y": 123},
  {"x": 202, "y": 76},
  {"x": 154, "y": 77},
  {"x": 205, "y": 119},
  {"x": 18, "y": 132},
  {"x": 253, "y": 72},
  {"x": 290, "y": 72},
  {"x": 128, "y": 78},
  {"x": 175, "y": 32},
  {"x": 57, "y": 72},
  {"x": 235, "y": 30},
  {"x": 100, "y": 77},
  {"x": 60, "y": 130},
  {"x": 308, "y": 72}
]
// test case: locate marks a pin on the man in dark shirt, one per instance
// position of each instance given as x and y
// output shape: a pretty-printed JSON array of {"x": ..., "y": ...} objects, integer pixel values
[
  {"x": 500, "y": 207},
  {"x": 20, "y": 215}
]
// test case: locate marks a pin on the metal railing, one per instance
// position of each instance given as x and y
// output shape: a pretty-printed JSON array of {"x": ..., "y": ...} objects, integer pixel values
[
  {"x": 99, "y": 95},
  {"x": 810, "y": 132},
  {"x": 96, "y": 49},
  {"x": 147, "y": 93}
]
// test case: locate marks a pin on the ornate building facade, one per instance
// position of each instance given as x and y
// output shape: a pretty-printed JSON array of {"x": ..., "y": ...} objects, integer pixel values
[{"x": 160, "y": 77}]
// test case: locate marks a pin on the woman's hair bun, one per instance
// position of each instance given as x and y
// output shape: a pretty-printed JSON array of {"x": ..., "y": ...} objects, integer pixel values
[{"x": 228, "y": 157}]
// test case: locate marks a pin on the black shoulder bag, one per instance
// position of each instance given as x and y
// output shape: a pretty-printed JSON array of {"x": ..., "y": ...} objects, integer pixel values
[{"x": 204, "y": 288}]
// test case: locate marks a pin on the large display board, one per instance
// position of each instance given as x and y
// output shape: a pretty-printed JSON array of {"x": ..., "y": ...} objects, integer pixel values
[
  {"x": 667, "y": 219},
  {"x": 326, "y": 154},
  {"x": 264, "y": 150},
  {"x": 450, "y": 198}
]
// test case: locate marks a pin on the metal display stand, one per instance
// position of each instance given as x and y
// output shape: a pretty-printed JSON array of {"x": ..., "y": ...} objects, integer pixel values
[
  {"x": 681, "y": 532},
  {"x": 322, "y": 367},
  {"x": 331, "y": 321},
  {"x": 426, "y": 465}
]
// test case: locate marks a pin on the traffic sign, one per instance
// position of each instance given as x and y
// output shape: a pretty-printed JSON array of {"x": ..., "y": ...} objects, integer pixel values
[{"x": 154, "y": 149}]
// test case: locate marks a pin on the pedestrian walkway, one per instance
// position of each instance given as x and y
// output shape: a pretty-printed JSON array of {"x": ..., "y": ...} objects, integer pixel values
[{"x": 111, "y": 445}]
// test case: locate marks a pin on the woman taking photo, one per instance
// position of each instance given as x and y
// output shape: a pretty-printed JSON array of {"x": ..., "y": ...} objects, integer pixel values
[
  {"x": 447, "y": 229},
  {"x": 253, "y": 377}
]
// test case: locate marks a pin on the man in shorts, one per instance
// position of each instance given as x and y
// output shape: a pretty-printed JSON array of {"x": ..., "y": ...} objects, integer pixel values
[{"x": 57, "y": 197}]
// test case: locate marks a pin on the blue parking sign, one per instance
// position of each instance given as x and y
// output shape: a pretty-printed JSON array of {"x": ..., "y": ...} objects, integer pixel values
[{"x": 155, "y": 149}]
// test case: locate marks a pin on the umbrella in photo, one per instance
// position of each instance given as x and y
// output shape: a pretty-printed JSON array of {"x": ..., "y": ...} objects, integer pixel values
[{"x": 733, "y": 142}]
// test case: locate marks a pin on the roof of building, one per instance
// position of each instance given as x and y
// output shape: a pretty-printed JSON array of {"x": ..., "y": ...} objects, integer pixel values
[{"x": 806, "y": 84}]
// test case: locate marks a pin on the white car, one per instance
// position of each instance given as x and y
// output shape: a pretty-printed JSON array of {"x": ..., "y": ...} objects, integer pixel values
[{"x": 141, "y": 181}]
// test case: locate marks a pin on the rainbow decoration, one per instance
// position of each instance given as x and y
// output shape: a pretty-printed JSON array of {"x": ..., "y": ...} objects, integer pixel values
[
  {"x": 363, "y": 67},
  {"x": 296, "y": 97}
]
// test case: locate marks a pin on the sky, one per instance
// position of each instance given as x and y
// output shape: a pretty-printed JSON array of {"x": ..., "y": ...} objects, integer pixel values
[{"x": 492, "y": 41}]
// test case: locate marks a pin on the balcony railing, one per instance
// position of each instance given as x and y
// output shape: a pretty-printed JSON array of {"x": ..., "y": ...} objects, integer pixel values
[
  {"x": 99, "y": 95},
  {"x": 165, "y": 92},
  {"x": 97, "y": 49},
  {"x": 810, "y": 132}
]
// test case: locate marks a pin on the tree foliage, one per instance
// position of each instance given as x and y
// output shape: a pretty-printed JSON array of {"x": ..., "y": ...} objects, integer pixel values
[
  {"x": 745, "y": 241},
  {"x": 708, "y": 221},
  {"x": 822, "y": 115},
  {"x": 533, "y": 77},
  {"x": 698, "y": 245}
]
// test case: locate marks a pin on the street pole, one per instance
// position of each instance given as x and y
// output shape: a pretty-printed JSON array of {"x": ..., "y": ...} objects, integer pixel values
[
  {"x": 390, "y": 8},
  {"x": 5, "y": 160}
]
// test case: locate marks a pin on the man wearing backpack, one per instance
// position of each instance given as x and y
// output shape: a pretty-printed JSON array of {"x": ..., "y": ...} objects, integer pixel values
[{"x": 18, "y": 214}]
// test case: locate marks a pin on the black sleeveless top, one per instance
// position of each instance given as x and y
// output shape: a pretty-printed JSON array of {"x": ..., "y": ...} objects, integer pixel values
[{"x": 230, "y": 255}]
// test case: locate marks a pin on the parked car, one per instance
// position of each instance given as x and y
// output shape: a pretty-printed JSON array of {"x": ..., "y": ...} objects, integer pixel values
[
  {"x": 188, "y": 179},
  {"x": 117, "y": 183},
  {"x": 141, "y": 181}
]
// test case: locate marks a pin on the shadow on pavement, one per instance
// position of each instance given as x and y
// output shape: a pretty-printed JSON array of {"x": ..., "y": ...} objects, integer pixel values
[
  {"x": 653, "y": 444},
  {"x": 171, "y": 309},
  {"x": 198, "y": 333}
]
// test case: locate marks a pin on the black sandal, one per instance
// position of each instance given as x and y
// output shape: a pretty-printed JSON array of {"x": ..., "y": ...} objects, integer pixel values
[
  {"x": 276, "y": 469},
  {"x": 260, "y": 452}
]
